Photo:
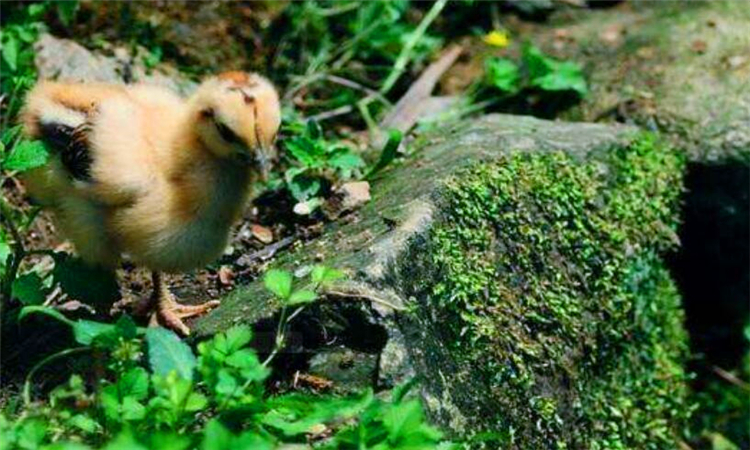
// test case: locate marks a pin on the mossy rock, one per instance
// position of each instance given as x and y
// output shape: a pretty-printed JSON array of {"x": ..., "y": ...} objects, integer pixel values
[
  {"x": 681, "y": 68},
  {"x": 522, "y": 261}
]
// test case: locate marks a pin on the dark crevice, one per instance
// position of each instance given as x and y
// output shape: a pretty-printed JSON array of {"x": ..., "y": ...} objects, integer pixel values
[{"x": 712, "y": 267}]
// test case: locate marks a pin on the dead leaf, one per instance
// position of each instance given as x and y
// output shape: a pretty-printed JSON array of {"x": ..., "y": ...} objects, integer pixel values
[
  {"x": 262, "y": 233},
  {"x": 226, "y": 275}
]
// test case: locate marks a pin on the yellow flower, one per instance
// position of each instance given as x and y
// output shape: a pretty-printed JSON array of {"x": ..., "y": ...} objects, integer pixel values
[{"x": 497, "y": 38}]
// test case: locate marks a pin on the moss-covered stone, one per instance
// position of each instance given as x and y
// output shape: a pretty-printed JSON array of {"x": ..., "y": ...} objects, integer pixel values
[
  {"x": 681, "y": 68},
  {"x": 526, "y": 255},
  {"x": 543, "y": 277}
]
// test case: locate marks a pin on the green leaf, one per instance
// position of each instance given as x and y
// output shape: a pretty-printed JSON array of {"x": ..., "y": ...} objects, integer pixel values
[
  {"x": 322, "y": 275},
  {"x": 345, "y": 161},
  {"x": 503, "y": 74},
  {"x": 133, "y": 383},
  {"x": 124, "y": 441},
  {"x": 389, "y": 153},
  {"x": 66, "y": 11},
  {"x": 217, "y": 437},
  {"x": 300, "y": 186},
  {"x": 167, "y": 353},
  {"x": 89, "y": 284},
  {"x": 84, "y": 423},
  {"x": 246, "y": 360},
  {"x": 566, "y": 76},
  {"x": 301, "y": 297},
  {"x": 31, "y": 433},
  {"x": 131, "y": 409},
  {"x": 537, "y": 64},
  {"x": 38, "y": 309},
  {"x": 552, "y": 75},
  {"x": 87, "y": 331},
  {"x": 309, "y": 153},
  {"x": 314, "y": 130},
  {"x": 402, "y": 418},
  {"x": 237, "y": 337},
  {"x": 28, "y": 289},
  {"x": 10, "y": 52},
  {"x": 169, "y": 441},
  {"x": 26, "y": 155},
  {"x": 279, "y": 282}
]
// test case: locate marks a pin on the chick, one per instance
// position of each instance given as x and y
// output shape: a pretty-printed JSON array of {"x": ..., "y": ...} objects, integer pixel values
[{"x": 138, "y": 170}]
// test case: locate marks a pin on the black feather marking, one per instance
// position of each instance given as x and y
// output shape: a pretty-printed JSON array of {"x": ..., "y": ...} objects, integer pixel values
[
  {"x": 72, "y": 145},
  {"x": 56, "y": 135}
]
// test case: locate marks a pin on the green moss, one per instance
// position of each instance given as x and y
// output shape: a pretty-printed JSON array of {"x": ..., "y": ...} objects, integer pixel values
[{"x": 552, "y": 291}]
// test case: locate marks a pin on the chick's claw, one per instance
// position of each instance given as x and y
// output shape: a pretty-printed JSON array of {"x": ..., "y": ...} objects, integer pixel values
[{"x": 169, "y": 313}]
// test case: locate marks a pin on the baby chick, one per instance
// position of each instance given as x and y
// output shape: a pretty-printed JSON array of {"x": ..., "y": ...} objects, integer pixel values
[{"x": 137, "y": 170}]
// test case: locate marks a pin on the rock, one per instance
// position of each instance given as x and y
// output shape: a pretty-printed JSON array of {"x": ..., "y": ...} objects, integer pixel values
[
  {"x": 513, "y": 266},
  {"x": 62, "y": 59},
  {"x": 677, "y": 68},
  {"x": 682, "y": 69}
]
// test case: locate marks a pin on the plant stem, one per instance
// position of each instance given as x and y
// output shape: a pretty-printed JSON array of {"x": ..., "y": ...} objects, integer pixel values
[
  {"x": 42, "y": 363},
  {"x": 414, "y": 38},
  {"x": 19, "y": 252}
]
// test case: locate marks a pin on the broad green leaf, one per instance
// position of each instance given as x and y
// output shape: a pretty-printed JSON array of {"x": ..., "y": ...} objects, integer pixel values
[
  {"x": 566, "y": 76},
  {"x": 227, "y": 384},
  {"x": 503, "y": 74},
  {"x": 31, "y": 433},
  {"x": 250, "y": 440},
  {"x": 86, "y": 331},
  {"x": 84, "y": 423},
  {"x": 389, "y": 153},
  {"x": 10, "y": 52},
  {"x": 303, "y": 187},
  {"x": 124, "y": 441},
  {"x": 133, "y": 383},
  {"x": 301, "y": 297},
  {"x": 166, "y": 440},
  {"x": 66, "y": 11},
  {"x": 309, "y": 153},
  {"x": 38, "y": 309},
  {"x": 537, "y": 64},
  {"x": 279, "y": 282},
  {"x": 345, "y": 161},
  {"x": 131, "y": 409},
  {"x": 246, "y": 360},
  {"x": 167, "y": 353},
  {"x": 96, "y": 286},
  {"x": 237, "y": 337},
  {"x": 28, "y": 289},
  {"x": 550, "y": 74},
  {"x": 322, "y": 275},
  {"x": 26, "y": 155},
  {"x": 5, "y": 252},
  {"x": 314, "y": 130},
  {"x": 402, "y": 418},
  {"x": 217, "y": 437}
]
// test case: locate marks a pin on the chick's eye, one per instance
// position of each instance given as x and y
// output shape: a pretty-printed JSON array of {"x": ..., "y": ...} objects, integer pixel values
[{"x": 227, "y": 134}]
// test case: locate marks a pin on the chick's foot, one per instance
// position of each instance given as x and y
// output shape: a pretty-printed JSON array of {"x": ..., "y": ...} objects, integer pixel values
[
  {"x": 169, "y": 313},
  {"x": 163, "y": 310}
]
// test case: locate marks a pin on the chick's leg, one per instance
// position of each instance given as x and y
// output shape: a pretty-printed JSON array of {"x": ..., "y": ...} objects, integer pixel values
[{"x": 166, "y": 311}]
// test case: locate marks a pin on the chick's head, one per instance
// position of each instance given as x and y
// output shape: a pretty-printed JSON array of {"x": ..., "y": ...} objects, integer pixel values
[{"x": 238, "y": 117}]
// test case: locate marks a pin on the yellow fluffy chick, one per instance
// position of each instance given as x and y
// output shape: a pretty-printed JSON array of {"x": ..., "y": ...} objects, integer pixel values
[{"x": 138, "y": 170}]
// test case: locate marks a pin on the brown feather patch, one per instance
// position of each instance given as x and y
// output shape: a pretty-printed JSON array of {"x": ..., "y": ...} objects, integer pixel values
[{"x": 235, "y": 76}]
